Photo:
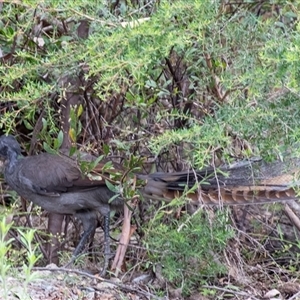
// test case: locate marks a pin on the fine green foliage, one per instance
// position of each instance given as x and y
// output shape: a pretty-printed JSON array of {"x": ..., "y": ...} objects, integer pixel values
[
  {"x": 188, "y": 250},
  {"x": 11, "y": 259},
  {"x": 240, "y": 58},
  {"x": 5, "y": 246}
]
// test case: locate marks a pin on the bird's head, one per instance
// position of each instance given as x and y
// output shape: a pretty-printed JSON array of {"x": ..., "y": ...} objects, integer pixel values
[{"x": 9, "y": 146}]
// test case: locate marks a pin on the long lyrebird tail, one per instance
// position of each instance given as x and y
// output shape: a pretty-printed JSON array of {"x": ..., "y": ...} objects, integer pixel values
[{"x": 243, "y": 183}]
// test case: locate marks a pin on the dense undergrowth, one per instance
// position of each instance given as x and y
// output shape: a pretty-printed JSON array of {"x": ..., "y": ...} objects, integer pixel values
[{"x": 167, "y": 85}]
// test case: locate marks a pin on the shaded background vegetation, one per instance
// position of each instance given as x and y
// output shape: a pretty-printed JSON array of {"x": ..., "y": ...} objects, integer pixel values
[{"x": 177, "y": 84}]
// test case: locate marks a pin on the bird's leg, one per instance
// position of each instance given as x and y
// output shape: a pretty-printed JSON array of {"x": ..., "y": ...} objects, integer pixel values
[
  {"x": 89, "y": 221},
  {"x": 83, "y": 240},
  {"x": 107, "y": 252}
]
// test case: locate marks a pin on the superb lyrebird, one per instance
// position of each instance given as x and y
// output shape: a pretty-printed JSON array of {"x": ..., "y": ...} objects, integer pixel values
[{"x": 56, "y": 183}]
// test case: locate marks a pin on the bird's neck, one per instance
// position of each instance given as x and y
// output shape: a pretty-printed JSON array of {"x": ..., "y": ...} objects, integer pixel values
[{"x": 11, "y": 161}]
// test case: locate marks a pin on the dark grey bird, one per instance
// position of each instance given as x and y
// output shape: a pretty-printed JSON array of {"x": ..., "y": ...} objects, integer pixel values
[{"x": 57, "y": 184}]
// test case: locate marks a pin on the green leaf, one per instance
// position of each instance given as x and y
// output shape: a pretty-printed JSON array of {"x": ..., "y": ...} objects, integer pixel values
[
  {"x": 113, "y": 198},
  {"x": 72, "y": 151},
  {"x": 60, "y": 138},
  {"x": 79, "y": 110},
  {"x": 110, "y": 186},
  {"x": 95, "y": 162},
  {"x": 27, "y": 125},
  {"x": 45, "y": 123},
  {"x": 48, "y": 149},
  {"x": 72, "y": 135},
  {"x": 105, "y": 149}
]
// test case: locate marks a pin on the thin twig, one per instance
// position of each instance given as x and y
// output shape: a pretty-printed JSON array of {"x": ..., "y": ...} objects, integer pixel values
[
  {"x": 95, "y": 277},
  {"x": 230, "y": 291}
]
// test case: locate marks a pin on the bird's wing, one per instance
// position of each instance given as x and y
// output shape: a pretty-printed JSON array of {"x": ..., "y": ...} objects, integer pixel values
[{"x": 48, "y": 174}]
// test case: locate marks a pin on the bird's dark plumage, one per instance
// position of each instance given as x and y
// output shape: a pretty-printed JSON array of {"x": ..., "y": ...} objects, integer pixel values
[
  {"x": 57, "y": 184},
  {"x": 53, "y": 182}
]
